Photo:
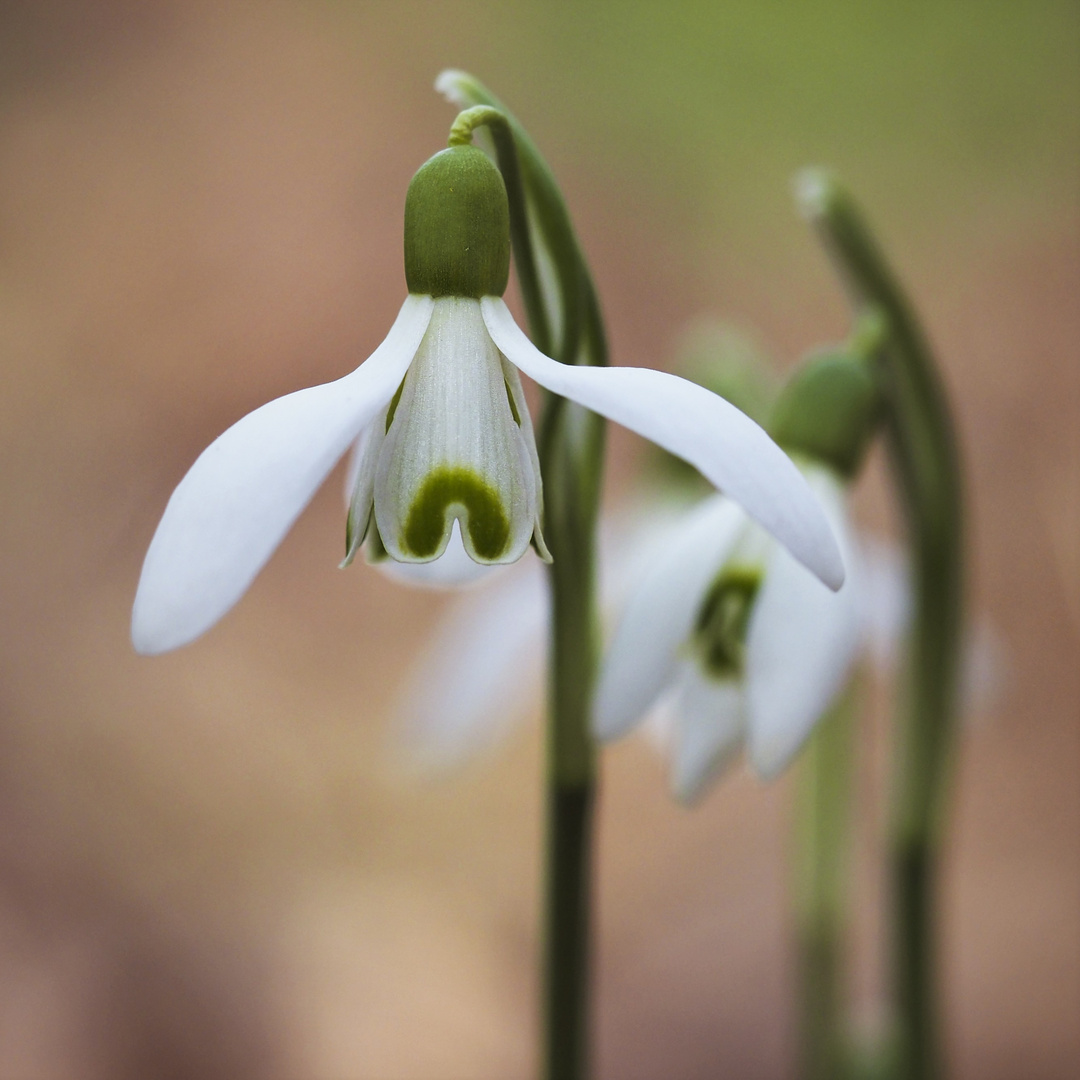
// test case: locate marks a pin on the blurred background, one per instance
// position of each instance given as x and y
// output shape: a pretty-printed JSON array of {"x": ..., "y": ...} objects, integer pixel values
[{"x": 212, "y": 864}]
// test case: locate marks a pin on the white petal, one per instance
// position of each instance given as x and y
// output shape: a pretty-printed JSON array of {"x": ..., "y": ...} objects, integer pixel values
[
  {"x": 660, "y": 616},
  {"x": 453, "y": 568},
  {"x": 886, "y": 606},
  {"x": 728, "y": 448},
  {"x": 886, "y": 600},
  {"x": 246, "y": 489},
  {"x": 800, "y": 644},
  {"x": 709, "y": 730},
  {"x": 453, "y": 421},
  {"x": 480, "y": 673}
]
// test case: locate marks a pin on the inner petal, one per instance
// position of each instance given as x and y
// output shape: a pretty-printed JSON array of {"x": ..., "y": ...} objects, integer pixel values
[
  {"x": 456, "y": 492},
  {"x": 453, "y": 449}
]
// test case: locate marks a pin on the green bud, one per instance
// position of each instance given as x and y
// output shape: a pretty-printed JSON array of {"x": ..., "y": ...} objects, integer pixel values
[
  {"x": 457, "y": 226},
  {"x": 828, "y": 410}
]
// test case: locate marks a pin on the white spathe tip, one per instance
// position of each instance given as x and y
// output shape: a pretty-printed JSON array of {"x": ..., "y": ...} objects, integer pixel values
[
  {"x": 448, "y": 83},
  {"x": 813, "y": 188}
]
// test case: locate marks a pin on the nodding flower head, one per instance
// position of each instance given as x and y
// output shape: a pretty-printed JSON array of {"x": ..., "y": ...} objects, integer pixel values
[{"x": 444, "y": 466}]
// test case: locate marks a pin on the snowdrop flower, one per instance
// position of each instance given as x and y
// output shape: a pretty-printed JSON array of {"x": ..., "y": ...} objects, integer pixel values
[
  {"x": 733, "y": 642},
  {"x": 726, "y": 633},
  {"x": 445, "y": 447}
]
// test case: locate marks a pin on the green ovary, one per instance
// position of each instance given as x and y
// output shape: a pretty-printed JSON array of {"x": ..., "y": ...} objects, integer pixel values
[
  {"x": 486, "y": 520},
  {"x": 723, "y": 619}
]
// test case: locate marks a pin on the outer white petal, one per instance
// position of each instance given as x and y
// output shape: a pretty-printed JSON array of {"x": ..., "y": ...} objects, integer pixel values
[
  {"x": 709, "y": 730},
  {"x": 887, "y": 603},
  {"x": 454, "y": 413},
  {"x": 660, "y": 616},
  {"x": 728, "y": 448},
  {"x": 246, "y": 489},
  {"x": 480, "y": 672},
  {"x": 886, "y": 600},
  {"x": 453, "y": 568},
  {"x": 800, "y": 644}
]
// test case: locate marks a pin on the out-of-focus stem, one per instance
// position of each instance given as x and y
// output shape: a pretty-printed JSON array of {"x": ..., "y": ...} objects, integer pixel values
[
  {"x": 926, "y": 464},
  {"x": 824, "y": 827}
]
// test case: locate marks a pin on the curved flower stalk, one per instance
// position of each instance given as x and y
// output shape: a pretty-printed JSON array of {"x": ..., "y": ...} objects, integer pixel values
[
  {"x": 444, "y": 430},
  {"x": 928, "y": 471}
]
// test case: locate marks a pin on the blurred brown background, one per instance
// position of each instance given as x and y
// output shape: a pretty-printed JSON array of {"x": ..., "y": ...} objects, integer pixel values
[{"x": 209, "y": 864}]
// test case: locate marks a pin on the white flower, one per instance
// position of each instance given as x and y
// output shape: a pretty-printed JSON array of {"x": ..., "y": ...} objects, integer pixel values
[
  {"x": 735, "y": 640},
  {"x": 445, "y": 445}
]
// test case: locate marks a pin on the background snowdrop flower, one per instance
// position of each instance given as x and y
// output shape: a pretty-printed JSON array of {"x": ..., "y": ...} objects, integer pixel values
[
  {"x": 443, "y": 432},
  {"x": 479, "y": 674},
  {"x": 734, "y": 641},
  {"x": 480, "y": 671}
]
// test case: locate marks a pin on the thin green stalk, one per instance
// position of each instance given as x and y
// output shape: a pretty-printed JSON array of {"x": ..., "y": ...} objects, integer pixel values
[
  {"x": 824, "y": 828},
  {"x": 926, "y": 464},
  {"x": 571, "y": 762},
  {"x": 565, "y": 322}
]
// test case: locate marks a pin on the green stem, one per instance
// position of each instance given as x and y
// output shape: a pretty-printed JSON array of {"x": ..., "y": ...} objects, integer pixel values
[
  {"x": 926, "y": 464},
  {"x": 823, "y": 823},
  {"x": 565, "y": 322},
  {"x": 571, "y": 783}
]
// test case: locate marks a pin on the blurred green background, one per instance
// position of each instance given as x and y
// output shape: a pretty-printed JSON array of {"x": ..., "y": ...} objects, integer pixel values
[{"x": 214, "y": 864}]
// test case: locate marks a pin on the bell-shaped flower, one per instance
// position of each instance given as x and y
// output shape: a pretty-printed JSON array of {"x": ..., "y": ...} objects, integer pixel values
[
  {"x": 445, "y": 449},
  {"x": 727, "y": 634},
  {"x": 733, "y": 642}
]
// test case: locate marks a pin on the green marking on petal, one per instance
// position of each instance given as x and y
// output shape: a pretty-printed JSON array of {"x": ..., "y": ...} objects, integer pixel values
[
  {"x": 376, "y": 549},
  {"x": 488, "y": 525},
  {"x": 513, "y": 408},
  {"x": 348, "y": 538},
  {"x": 393, "y": 406},
  {"x": 720, "y": 630}
]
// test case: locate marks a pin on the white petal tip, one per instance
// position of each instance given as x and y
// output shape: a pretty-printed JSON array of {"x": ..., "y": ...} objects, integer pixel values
[
  {"x": 149, "y": 639},
  {"x": 687, "y": 794},
  {"x": 607, "y": 725},
  {"x": 832, "y": 572},
  {"x": 771, "y": 759},
  {"x": 689, "y": 785}
]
